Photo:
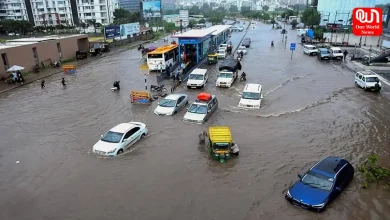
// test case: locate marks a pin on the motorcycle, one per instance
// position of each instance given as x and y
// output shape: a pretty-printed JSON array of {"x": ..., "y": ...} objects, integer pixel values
[
  {"x": 160, "y": 88},
  {"x": 116, "y": 86},
  {"x": 243, "y": 78}
]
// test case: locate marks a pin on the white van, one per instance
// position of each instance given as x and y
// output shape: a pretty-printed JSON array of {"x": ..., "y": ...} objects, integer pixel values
[
  {"x": 223, "y": 46},
  {"x": 336, "y": 53},
  {"x": 368, "y": 80},
  {"x": 197, "y": 78},
  {"x": 310, "y": 50},
  {"x": 251, "y": 96},
  {"x": 301, "y": 32}
]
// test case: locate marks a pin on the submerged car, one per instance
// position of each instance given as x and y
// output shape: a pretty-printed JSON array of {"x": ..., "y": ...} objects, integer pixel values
[
  {"x": 171, "y": 104},
  {"x": 201, "y": 109},
  {"x": 120, "y": 137},
  {"x": 319, "y": 186},
  {"x": 368, "y": 80}
]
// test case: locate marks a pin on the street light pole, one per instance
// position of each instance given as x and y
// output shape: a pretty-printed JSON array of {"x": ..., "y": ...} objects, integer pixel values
[
  {"x": 285, "y": 43},
  {"x": 181, "y": 25}
]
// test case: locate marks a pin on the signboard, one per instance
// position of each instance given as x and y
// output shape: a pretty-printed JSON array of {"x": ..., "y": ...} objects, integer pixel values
[
  {"x": 69, "y": 68},
  {"x": 112, "y": 31},
  {"x": 333, "y": 26},
  {"x": 151, "y": 9},
  {"x": 184, "y": 17},
  {"x": 140, "y": 97},
  {"x": 292, "y": 46},
  {"x": 122, "y": 31},
  {"x": 129, "y": 29}
]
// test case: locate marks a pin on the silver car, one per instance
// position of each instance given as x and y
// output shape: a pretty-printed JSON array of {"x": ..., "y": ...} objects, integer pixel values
[
  {"x": 171, "y": 104},
  {"x": 200, "y": 111}
]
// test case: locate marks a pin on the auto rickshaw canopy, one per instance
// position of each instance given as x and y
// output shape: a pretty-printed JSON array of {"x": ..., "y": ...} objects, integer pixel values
[{"x": 220, "y": 134}]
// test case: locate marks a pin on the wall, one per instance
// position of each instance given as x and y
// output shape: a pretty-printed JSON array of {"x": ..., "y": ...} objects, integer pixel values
[
  {"x": 47, "y": 52},
  {"x": 352, "y": 39}
]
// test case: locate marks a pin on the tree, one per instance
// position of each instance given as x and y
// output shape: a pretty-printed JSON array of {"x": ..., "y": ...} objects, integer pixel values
[
  {"x": 192, "y": 23},
  {"x": 122, "y": 16},
  {"x": 265, "y": 8},
  {"x": 202, "y": 21},
  {"x": 287, "y": 13},
  {"x": 169, "y": 27},
  {"x": 233, "y": 8},
  {"x": 266, "y": 17},
  {"x": 93, "y": 23},
  {"x": 245, "y": 10},
  {"x": 311, "y": 17},
  {"x": 273, "y": 22},
  {"x": 318, "y": 34},
  {"x": 194, "y": 10}
]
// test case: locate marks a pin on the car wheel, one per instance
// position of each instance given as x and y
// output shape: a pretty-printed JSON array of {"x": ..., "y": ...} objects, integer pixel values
[
  {"x": 186, "y": 102},
  {"x": 175, "y": 112},
  {"x": 143, "y": 136},
  {"x": 119, "y": 152}
]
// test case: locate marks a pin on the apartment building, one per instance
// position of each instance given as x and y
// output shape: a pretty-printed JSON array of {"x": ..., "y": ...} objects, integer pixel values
[
  {"x": 56, "y": 12},
  {"x": 13, "y": 9},
  {"x": 130, "y": 5}
]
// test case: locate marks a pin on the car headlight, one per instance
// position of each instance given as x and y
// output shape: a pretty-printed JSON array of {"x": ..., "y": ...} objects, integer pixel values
[
  {"x": 217, "y": 155},
  {"x": 111, "y": 151},
  {"x": 288, "y": 194},
  {"x": 319, "y": 205}
]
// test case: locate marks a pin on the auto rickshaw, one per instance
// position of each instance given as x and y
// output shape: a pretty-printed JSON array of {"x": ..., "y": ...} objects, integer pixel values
[
  {"x": 220, "y": 143},
  {"x": 212, "y": 58}
]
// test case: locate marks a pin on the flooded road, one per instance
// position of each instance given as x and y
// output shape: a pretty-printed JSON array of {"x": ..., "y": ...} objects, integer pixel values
[{"x": 310, "y": 110}]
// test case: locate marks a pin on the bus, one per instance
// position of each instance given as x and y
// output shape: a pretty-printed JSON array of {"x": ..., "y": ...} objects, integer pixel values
[{"x": 163, "y": 57}]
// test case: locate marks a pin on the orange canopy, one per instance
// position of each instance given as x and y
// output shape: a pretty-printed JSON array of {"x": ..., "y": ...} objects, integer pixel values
[{"x": 204, "y": 96}]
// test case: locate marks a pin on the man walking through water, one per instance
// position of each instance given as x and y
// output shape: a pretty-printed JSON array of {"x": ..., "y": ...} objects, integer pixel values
[
  {"x": 42, "y": 84},
  {"x": 345, "y": 54},
  {"x": 63, "y": 82}
]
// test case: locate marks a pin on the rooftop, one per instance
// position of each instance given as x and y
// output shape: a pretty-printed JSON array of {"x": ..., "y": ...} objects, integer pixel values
[
  {"x": 199, "y": 33},
  {"x": 122, "y": 128},
  {"x": 217, "y": 29},
  {"x": 330, "y": 166},
  {"x": 33, "y": 40}
]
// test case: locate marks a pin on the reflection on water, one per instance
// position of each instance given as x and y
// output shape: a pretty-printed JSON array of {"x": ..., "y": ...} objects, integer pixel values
[{"x": 310, "y": 110}]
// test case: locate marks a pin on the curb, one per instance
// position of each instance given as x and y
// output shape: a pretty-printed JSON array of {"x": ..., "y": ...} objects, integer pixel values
[{"x": 81, "y": 64}]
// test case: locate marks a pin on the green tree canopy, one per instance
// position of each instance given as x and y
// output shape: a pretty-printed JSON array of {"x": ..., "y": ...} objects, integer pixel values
[
  {"x": 202, "y": 21},
  {"x": 191, "y": 23},
  {"x": 233, "y": 8},
  {"x": 122, "y": 16},
  {"x": 311, "y": 17},
  {"x": 14, "y": 26},
  {"x": 265, "y": 8},
  {"x": 288, "y": 13}
]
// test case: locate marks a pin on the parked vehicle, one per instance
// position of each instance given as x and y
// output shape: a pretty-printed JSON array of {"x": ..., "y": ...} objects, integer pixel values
[
  {"x": 237, "y": 28},
  {"x": 368, "y": 80},
  {"x": 251, "y": 96},
  {"x": 319, "y": 186},
  {"x": 197, "y": 78},
  {"x": 158, "y": 88},
  {"x": 246, "y": 43},
  {"x": 228, "y": 72},
  {"x": 241, "y": 49},
  {"x": 120, "y": 137},
  {"x": 310, "y": 50},
  {"x": 223, "y": 47},
  {"x": 81, "y": 55},
  {"x": 323, "y": 54},
  {"x": 105, "y": 47},
  {"x": 221, "y": 54},
  {"x": 171, "y": 104},
  {"x": 95, "y": 50},
  {"x": 212, "y": 58},
  {"x": 201, "y": 109},
  {"x": 220, "y": 143},
  {"x": 336, "y": 53}
]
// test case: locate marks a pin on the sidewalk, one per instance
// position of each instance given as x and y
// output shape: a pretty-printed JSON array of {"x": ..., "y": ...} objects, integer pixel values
[{"x": 49, "y": 71}]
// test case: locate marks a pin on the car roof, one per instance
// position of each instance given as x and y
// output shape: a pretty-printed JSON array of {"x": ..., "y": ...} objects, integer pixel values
[
  {"x": 174, "y": 96},
  {"x": 251, "y": 87},
  {"x": 310, "y": 46},
  {"x": 367, "y": 73},
  {"x": 335, "y": 48},
  {"x": 329, "y": 166},
  {"x": 325, "y": 49},
  {"x": 123, "y": 127},
  {"x": 204, "y": 102},
  {"x": 199, "y": 71}
]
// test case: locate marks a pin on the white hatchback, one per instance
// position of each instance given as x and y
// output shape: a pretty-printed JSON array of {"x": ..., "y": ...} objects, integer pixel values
[
  {"x": 221, "y": 53},
  {"x": 197, "y": 78},
  {"x": 310, "y": 50},
  {"x": 120, "y": 137},
  {"x": 251, "y": 96}
]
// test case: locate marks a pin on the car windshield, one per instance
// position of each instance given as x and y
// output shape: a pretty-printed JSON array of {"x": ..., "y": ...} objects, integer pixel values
[
  {"x": 221, "y": 51},
  {"x": 112, "y": 137},
  {"x": 318, "y": 181},
  {"x": 221, "y": 146},
  {"x": 337, "y": 51},
  {"x": 167, "y": 103},
  {"x": 324, "y": 52},
  {"x": 372, "y": 79},
  {"x": 225, "y": 75},
  {"x": 251, "y": 95},
  {"x": 196, "y": 76},
  {"x": 198, "y": 109}
]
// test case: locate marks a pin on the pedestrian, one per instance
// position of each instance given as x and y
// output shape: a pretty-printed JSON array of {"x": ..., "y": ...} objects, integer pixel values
[
  {"x": 63, "y": 82},
  {"x": 20, "y": 77},
  {"x": 202, "y": 137},
  {"x": 42, "y": 84},
  {"x": 345, "y": 54}
]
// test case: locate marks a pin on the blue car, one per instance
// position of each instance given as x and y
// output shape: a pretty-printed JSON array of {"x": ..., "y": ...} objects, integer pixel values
[{"x": 319, "y": 186}]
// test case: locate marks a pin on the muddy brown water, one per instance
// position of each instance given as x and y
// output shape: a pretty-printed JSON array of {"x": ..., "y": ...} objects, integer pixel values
[{"x": 310, "y": 110}]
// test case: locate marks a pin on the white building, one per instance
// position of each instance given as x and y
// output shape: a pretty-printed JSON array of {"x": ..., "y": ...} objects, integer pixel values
[{"x": 55, "y": 12}]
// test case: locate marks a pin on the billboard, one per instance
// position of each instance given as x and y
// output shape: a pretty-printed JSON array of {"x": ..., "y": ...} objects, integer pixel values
[
  {"x": 184, "y": 16},
  {"x": 151, "y": 9},
  {"x": 121, "y": 31},
  {"x": 112, "y": 31}
]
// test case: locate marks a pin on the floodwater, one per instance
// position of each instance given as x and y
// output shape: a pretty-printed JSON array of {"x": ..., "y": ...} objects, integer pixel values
[{"x": 310, "y": 110}]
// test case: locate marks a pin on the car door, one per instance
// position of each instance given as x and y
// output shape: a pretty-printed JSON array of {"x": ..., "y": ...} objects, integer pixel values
[
  {"x": 135, "y": 135},
  {"x": 126, "y": 139},
  {"x": 363, "y": 81},
  {"x": 360, "y": 80},
  {"x": 180, "y": 103}
]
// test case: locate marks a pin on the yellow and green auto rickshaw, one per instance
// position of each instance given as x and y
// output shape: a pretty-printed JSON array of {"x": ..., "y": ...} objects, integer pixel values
[
  {"x": 220, "y": 142},
  {"x": 212, "y": 58}
]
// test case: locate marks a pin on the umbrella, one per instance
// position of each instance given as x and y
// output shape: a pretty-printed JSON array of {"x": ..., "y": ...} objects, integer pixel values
[{"x": 15, "y": 68}]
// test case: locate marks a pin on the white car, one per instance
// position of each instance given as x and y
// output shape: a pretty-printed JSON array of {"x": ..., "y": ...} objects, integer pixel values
[
  {"x": 223, "y": 46},
  {"x": 197, "y": 78},
  {"x": 221, "y": 53},
  {"x": 251, "y": 96},
  {"x": 243, "y": 49},
  {"x": 336, "y": 53},
  {"x": 201, "y": 109},
  {"x": 226, "y": 78},
  {"x": 368, "y": 80},
  {"x": 310, "y": 50},
  {"x": 171, "y": 104},
  {"x": 120, "y": 137}
]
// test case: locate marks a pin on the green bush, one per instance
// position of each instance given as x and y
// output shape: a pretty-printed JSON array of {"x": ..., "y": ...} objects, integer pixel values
[{"x": 372, "y": 172}]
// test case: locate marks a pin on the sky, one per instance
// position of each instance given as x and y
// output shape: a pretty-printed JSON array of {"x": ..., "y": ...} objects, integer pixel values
[{"x": 380, "y": 2}]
